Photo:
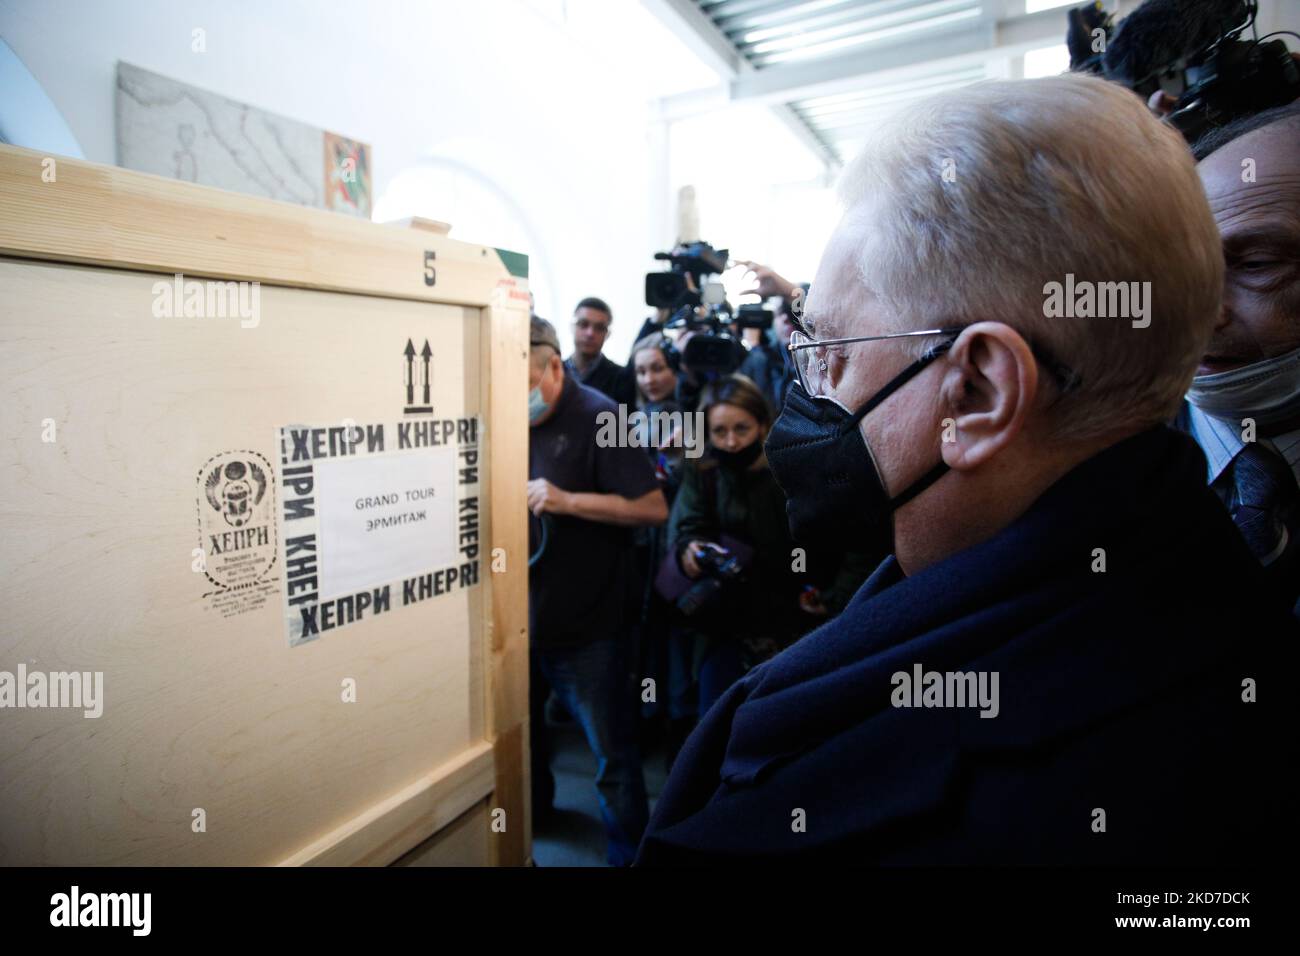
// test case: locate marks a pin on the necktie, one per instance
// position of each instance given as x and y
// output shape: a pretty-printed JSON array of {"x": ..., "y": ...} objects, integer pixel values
[{"x": 1263, "y": 500}]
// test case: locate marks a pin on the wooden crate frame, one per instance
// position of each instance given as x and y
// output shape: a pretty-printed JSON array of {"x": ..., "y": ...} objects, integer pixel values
[{"x": 105, "y": 216}]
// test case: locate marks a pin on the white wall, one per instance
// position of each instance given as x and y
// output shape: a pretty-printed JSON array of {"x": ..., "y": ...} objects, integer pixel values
[
  {"x": 758, "y": 191},
  {"x": 521, "y": 122},
  {"x": 524, "y": 123}
]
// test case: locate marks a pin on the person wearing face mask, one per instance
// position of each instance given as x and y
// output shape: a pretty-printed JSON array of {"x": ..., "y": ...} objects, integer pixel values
[
  {"x": 1070, "y": 640},
  {"x": 1244, "y": 404},
  {"x": 587, "y": 496},
  {"x": 731, "y": 496}
]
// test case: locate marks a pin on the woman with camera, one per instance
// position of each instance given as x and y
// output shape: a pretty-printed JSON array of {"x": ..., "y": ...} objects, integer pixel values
[{"x": 729, "y": 537}]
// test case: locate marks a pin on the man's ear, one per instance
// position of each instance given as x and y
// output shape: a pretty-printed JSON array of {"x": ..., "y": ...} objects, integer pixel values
[
  {"x": 554, "y": 380},
  {"x": 988, "y": 390}
]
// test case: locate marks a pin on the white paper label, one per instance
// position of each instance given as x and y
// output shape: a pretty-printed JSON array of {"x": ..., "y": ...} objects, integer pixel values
[{"x": 385, "y": 517}]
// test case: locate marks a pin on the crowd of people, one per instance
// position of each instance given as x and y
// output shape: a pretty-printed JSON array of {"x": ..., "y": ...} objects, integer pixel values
[
  {"x": 636, "y": 630},
  {"x": 922, "y": 468}
]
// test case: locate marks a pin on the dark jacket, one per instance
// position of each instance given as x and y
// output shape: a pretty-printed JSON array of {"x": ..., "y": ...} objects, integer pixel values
[
  {"x": 1283, "y": 573},
  {"x": 578, "y": 591},
  {"x": 614, "y": 381},
  {"x": 750, "y": 506},
  {"x": 1119, "y": 691},
  {"x": 768, "y": 366},
  {"x": 652, "y": 541}
]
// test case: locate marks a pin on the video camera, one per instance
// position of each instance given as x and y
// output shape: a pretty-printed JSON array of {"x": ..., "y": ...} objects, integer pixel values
[
  {"x": 699, "y": 304},
  {"x": 1193, "y": 50}
]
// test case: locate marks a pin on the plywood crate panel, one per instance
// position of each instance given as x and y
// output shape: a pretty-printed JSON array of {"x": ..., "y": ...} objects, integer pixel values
[{"x": 210, "y": 700}]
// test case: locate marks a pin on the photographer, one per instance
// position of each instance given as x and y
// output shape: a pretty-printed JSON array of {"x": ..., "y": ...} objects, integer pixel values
[{"x": 731, "y": 496}]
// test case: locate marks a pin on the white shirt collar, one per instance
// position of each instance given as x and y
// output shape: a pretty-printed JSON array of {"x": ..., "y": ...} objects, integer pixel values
[{"x": 1221, "y": 441}]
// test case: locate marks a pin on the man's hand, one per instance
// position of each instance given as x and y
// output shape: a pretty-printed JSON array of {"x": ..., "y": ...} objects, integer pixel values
[
  {"x": 767, "y": 282},
  {"x": 545, "y": 498}
]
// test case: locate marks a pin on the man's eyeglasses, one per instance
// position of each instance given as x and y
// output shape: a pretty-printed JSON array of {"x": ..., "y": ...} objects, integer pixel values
[
  {"x": 809, "y": 357},
  {"x": 600, "y": 328}
]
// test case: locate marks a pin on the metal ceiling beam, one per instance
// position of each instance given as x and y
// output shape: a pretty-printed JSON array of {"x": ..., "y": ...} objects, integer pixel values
[
  {"x": 797, "y": 125},
  {"x": 999, "y": 33},
  {"x": 1002, "y": 30},
  {"x": 708, "y": 42},
  {"x": 842, "y": 73},
  {"x": 986, "y": 39}
]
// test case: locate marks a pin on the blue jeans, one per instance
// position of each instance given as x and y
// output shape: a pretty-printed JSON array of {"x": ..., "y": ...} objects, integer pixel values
[{"x": 596, "y": 684}]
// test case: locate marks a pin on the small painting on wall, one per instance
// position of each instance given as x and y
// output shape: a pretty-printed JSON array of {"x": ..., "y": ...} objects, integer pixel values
[{"x": 347, "y": 175}]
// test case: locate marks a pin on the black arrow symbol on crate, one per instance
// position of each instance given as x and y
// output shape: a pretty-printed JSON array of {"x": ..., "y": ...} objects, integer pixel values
[
  {"x": 410, "y": 372},
  {"x": 426, "y": 355}
]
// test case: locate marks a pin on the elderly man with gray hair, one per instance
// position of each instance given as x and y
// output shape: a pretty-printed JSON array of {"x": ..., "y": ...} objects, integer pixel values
[{"x": 1066, "y": 658}]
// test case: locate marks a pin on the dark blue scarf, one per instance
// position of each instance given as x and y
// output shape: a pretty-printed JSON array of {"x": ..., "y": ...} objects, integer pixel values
[{"x": 1077, "y": 652}]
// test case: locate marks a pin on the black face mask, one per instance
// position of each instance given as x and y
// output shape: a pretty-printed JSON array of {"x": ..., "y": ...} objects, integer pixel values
[
  {"x": 833, "y": 489},
  {"x": 738, "y": 460}
]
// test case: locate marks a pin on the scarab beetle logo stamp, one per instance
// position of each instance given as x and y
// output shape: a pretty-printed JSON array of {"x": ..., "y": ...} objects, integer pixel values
[{"x": 237, "y": 529}]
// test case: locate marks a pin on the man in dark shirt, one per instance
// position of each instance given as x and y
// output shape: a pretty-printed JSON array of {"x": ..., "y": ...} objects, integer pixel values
[
  {"x": 588, "y": 364},
  {"x": 586, "y": 495}
]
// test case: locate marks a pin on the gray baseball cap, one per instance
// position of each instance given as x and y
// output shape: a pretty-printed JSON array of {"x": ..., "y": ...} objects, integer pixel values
[{"x": 541, "y": 332}]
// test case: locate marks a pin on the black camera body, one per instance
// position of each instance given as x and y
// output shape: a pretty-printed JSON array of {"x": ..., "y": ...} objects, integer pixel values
[
  {"x": 670, "y": 290},
  {"x": 720, "y": 563},
  {"x": 1238, "y": 78},
  {"x": 719, "y": 566},
  {"x": 698, "y": 306},
  {"x": 753, "y": 316}
]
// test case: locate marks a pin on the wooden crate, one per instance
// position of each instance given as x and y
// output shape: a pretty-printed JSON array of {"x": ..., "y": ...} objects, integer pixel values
[{"x": 300, "y": 662}]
